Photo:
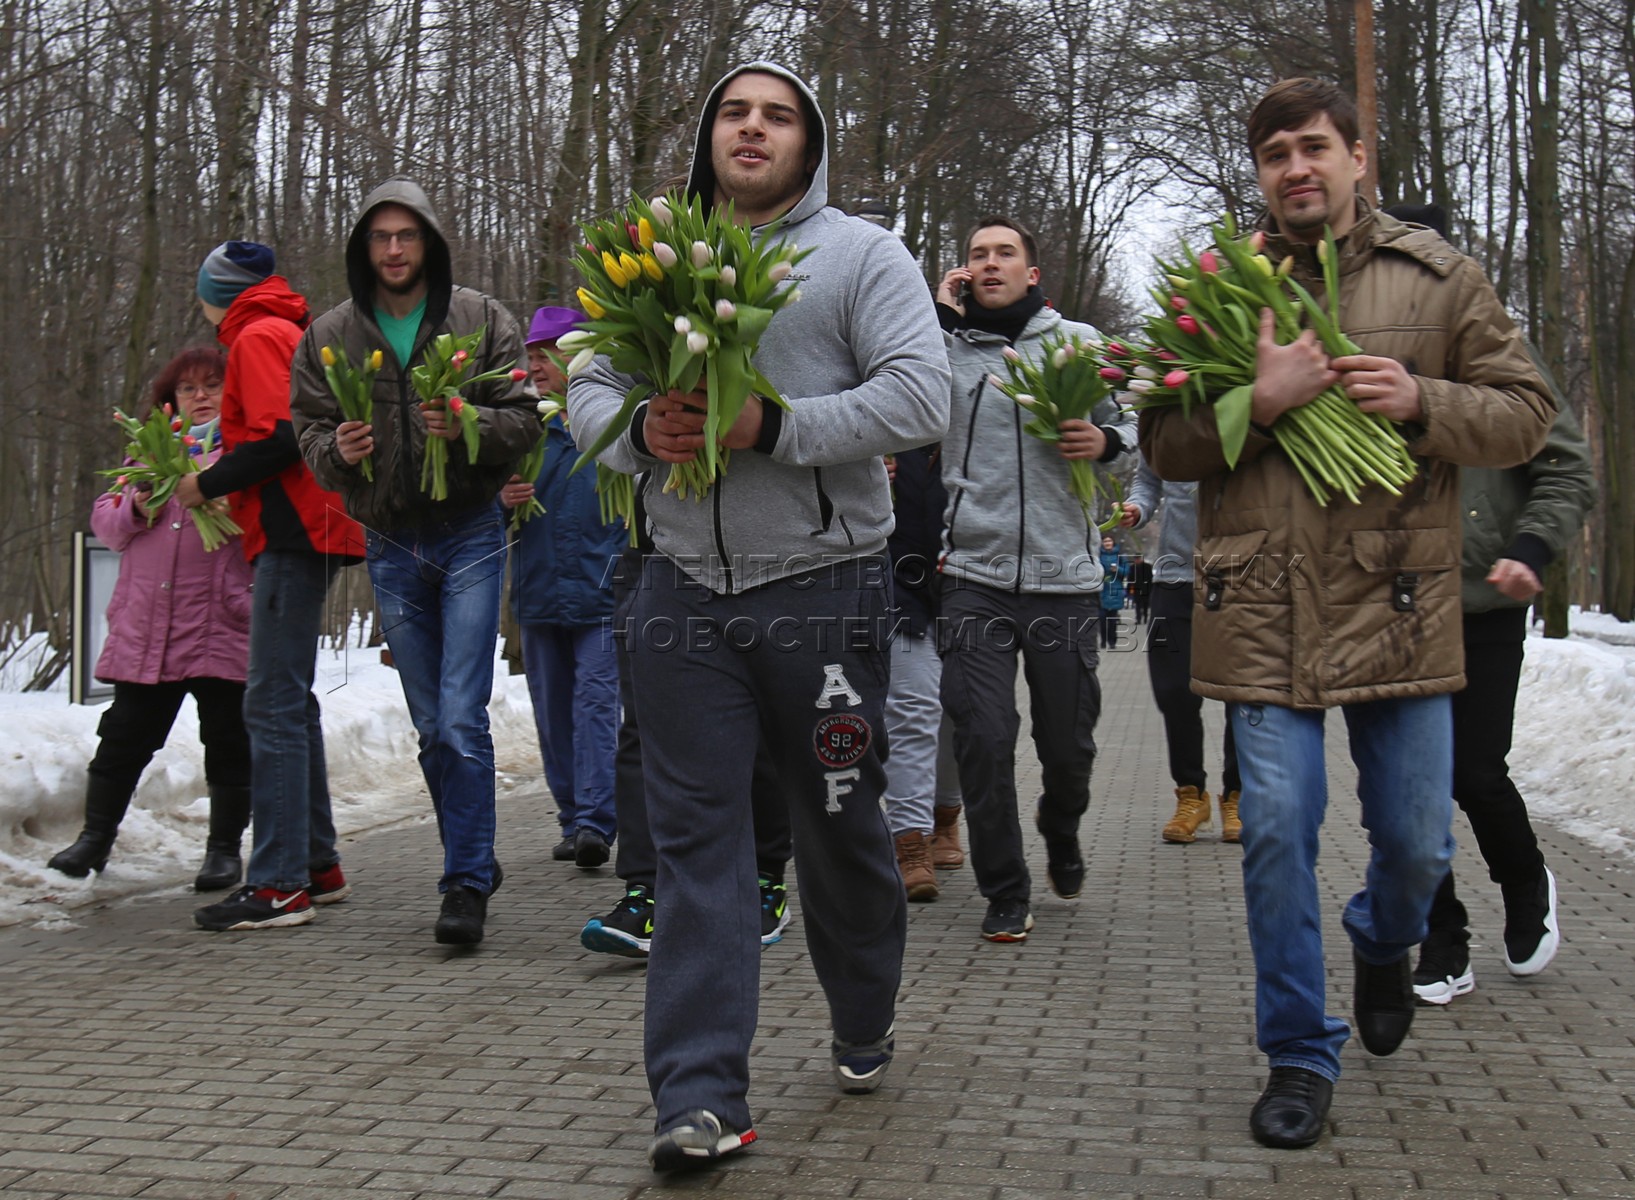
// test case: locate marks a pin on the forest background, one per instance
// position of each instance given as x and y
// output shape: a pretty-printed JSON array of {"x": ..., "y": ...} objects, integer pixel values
[{"x": 136, "y": 134}]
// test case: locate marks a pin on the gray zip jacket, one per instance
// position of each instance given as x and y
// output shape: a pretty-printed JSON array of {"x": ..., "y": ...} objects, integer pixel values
[
  {"x": 1012, "y": 522},
  {"x": 1178, "y": 535},
  {"x": 860, "y": 360}
]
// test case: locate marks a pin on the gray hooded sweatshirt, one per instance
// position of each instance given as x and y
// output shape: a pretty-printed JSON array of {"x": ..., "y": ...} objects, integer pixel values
[{"x": 860, "y": 361}]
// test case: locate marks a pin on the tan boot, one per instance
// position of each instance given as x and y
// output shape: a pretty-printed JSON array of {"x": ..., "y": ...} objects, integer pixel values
[
  {"x": 914, "y": 864},
  {"x": 1231, "y": 827},
  {"x": 1191, "y": 811},
  {"x": 945, "y": 851}
]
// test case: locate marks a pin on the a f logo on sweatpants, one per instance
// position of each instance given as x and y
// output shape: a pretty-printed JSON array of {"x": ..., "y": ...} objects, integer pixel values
[{"x": 834, "y": 684}]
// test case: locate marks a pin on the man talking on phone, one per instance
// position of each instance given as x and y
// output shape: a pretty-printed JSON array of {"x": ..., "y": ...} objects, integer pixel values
[{"x": 1021, "y": 573}]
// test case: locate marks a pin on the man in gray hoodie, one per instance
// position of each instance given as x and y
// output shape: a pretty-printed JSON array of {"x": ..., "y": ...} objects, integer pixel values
[
  {"x": 778, "y": 584},
  {"x": 436, "y": 564},
  {"x": 1021, "y": 577}
]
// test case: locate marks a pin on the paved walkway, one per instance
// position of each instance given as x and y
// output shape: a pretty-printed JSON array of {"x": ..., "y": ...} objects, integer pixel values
[{"x": 1110, "y": 1056}]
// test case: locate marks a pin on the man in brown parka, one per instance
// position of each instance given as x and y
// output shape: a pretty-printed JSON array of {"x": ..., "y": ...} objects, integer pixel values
[{"x": 1302, "y": 608}]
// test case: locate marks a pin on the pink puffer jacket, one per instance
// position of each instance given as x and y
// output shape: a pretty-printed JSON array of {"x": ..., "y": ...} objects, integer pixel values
[{"x": 177, "y": 612}]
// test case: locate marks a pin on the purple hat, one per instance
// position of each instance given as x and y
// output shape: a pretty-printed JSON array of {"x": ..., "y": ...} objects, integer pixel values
[{"x": 551, "y": 323}]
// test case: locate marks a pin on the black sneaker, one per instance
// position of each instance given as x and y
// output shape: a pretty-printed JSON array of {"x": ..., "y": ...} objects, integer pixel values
[
  {"x": 1008, "y": 920},
  {"x": 589, "y": 849},
  {"x": 861, "y": 1068},
  {"x": 1531, "y": 934},
  {"x": 775, "y": 914},
  {"x": 256, "y": 908},
  {"x": 461, "y": 921},
  {"x": 565, "y": 850},
  {"x": 1383, "y": 1003},
  {"x": 328, "y": 885},
  {"x": 695, "y": 1141},
  {"x": 627, "y": 930},
  {"x": 1444, "y": 970}
]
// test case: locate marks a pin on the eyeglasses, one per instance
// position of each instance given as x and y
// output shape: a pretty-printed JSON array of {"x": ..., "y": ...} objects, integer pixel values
[
  {"x": 403, "y": 237},
  {"x": 187, "y": 391}
]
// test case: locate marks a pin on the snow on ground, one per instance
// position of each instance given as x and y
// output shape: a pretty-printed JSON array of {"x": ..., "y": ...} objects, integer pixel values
[
  {"x": 1575, "y": 730},
  {"x": 374, "y": 780}
]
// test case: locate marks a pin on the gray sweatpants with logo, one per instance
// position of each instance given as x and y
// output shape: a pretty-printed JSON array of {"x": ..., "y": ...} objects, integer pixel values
[{"x": 801, "y": 663}]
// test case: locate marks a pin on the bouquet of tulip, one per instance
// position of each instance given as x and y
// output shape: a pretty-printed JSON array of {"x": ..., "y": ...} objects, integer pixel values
[
  {"x": 354, "y": 390},
  {"x": 1204, "y": 345},
  {"x": 616, "y": 494},
  {"x": 161, "y": 450},
  {"x": 439, "y": 380},
  {"x": 1066, "y": 385},
  {"x": 678, "y": 296},
  {"x": 534, "y": 461}
]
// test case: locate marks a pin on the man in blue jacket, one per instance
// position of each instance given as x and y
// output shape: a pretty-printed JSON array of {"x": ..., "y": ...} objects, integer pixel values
[
  {"x": 787, "y": 553},
  {"x": 561, "y": 590}
]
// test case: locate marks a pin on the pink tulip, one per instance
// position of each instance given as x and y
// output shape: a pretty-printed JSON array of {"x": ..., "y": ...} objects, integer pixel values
[
  {"x": 123, "y": 480},
  {"x": 1176, "y": 378},
  {"x": 1115, "y": 348},
  {"x": 1257, "y": 240},
  {"x": 1011, "y": 354},
  {"x": 176, "y": 426},
  {"x": 190, "y": 440},
  {"x": 1208, "y": 263},
  {"x": 1187, "y": 324},
  {"x": 1178, "y": 303},
  {"x": 459, "y": 358},
  {"x": 455, "y": 404},
  {"x": 1167, "y": 355},
  {"x": 518, "y": 375},
  {"x": 1112, "y": 374}
]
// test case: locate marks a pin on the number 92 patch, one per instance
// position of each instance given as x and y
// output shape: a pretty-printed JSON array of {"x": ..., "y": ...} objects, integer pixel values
[{"x": 841, "y": 739}]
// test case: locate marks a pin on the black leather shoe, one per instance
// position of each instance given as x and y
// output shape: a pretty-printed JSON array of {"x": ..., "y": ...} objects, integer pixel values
[
  {"x": 461, "y": 921},
  {"x": 1384, "y": 1003},
  {"x": 1291, "y": 1112},
  {"x": 589, "y": 849},
  {"x": 221, "y": 870},
  {"x": 564, "y": 850}
]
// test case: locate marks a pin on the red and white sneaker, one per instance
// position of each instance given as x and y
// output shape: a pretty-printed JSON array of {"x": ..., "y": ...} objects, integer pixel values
[
  {"x": 256, "y": 908},
  {"x": 328, "y": 885}
]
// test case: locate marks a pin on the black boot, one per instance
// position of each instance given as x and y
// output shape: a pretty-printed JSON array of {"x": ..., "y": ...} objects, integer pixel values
[
  {"x": 229, "y": 815},
  {"x": 105, "y": 804}
]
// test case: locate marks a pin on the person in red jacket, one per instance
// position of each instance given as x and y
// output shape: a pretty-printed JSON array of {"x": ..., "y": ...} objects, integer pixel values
[{"x": 296, "y": 536}]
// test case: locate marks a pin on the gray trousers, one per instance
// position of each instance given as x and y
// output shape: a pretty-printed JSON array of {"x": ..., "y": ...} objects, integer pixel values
[
  {"x": 801, "y": 664},
  {"x": 984, "y": 631}
]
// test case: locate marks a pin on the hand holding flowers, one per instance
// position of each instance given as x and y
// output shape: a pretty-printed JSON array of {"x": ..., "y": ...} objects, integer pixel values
[
  {"x": 1061, "y": 393},
  {"x": 448, "y": 414},
  {"x": 160, "y": 454},
  {"x": 681, "y": 298},
  {"x": 354, "y": 390},
  {"x": 1238, "y": 334}
]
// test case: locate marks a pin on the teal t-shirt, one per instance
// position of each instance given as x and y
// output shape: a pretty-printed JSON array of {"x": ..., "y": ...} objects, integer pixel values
[{"x": 401, "y": 331}]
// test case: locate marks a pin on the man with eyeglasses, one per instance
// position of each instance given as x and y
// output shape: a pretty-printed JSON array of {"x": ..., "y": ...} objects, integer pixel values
[
  {"x": 297, "y": 538},
  {"x": 436, "y": 564}
]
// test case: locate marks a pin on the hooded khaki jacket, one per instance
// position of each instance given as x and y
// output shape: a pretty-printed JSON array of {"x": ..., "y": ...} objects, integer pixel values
[
  {"x": 1310, "y": 607},
  {"x": 508, "y": 424}
]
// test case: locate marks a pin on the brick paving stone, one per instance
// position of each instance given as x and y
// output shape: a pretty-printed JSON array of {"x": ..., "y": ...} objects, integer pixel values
[{"x": 1111, "y": 1055}]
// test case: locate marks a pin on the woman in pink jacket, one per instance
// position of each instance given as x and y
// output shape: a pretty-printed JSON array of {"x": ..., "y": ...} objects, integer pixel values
[{"x": 179, "y": 622}]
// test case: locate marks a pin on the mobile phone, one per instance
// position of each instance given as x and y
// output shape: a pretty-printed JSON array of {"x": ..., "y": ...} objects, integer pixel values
[{"x": 964, "y": 293}]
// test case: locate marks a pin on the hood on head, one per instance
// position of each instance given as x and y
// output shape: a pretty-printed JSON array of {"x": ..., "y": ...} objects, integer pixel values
[
  {"x": 360, "y": 277},
  {"x": 272, "y": 297},
  {"x": 701, "y": 179}
]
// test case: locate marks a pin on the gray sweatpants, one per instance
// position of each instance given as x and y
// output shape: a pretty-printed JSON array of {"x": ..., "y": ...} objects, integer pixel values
[{"x": 801, "y": 663}]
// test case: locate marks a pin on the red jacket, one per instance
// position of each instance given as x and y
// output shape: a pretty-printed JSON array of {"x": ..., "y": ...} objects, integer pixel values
[{"x": 274, "y": 497}]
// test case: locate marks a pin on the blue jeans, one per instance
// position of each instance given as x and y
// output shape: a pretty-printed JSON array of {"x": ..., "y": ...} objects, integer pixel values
[
  {"x": 294, "y": 830},
  {"x": 573, "y": 678},
  {"x": 1403, "y": 750},
  {"x": 438, "y": 590}
]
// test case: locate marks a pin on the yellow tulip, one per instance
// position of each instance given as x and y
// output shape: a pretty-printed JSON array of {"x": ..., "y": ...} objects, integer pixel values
[
  {"x": 588, "y": 303},
  {"x": 651, "y": 266},
  {"x": 644, "y": 233},
  {"x": 614, "y": 271},
  {"x": 632, "y": 269},
  {"x": 328, "y": 356},
  {"x": 377, "y": 359}
]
